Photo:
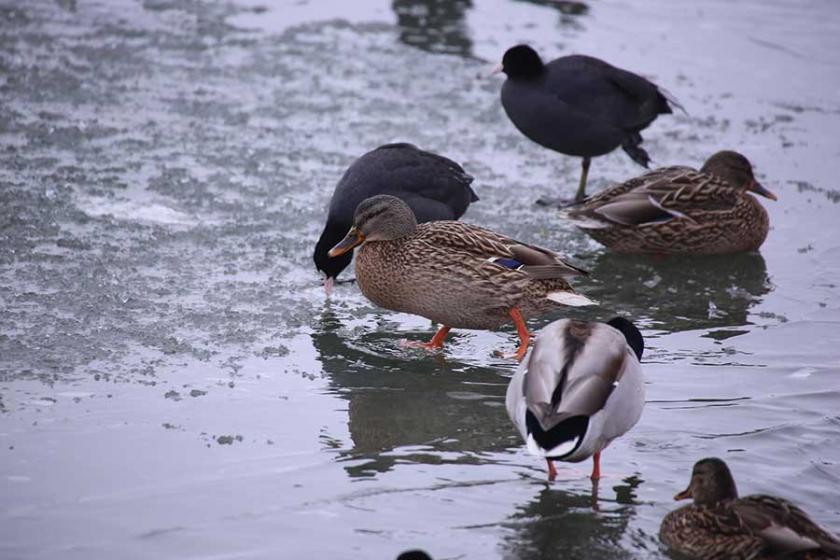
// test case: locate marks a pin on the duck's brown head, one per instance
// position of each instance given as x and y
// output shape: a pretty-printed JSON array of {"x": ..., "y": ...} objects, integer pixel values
[
  {"x": 711, "y": 482},
  {"x": 378, "y": 218},
  {"x": 736, "y": 170}
]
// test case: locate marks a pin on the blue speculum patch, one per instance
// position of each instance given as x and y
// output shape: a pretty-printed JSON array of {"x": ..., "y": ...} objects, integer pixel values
[{"x": 513, "y": 264}]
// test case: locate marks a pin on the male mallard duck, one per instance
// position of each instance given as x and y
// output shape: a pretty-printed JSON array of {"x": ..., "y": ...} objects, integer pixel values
[
  {"x": 579, "y": 105},
  {"x": 719, "y": 524},
  {"x": 679, "y": 210},
  {"x": 456, "y": 274},
  {"x": 435, "y": 187},
  {"x": 580, "y": 389}
]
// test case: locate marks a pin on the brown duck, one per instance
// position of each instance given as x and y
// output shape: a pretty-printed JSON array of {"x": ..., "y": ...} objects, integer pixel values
[
  {"x": 720, "y": 525},
  {"x": 456, "y": 274},
  {"x": 676, "y": 210}
]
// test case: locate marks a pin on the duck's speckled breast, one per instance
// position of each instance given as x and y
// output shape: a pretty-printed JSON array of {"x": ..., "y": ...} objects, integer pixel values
[{"x": 380, "y": 274}]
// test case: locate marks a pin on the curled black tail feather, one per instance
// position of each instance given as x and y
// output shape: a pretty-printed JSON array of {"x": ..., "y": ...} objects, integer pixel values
[
  {"x": 632, "y": 146},
  {"x": 566, "y": 430},
  {"x": 671, "y": 101},
  {"x": 631, "y": 333}
]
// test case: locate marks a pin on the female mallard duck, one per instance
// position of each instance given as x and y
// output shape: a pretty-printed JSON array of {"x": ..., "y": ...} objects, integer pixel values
[
  {"x": 435, "y": 187},
  {"x": 580, "y": 389},
  {"x": 679, "y": 210},
  {"x": 719, "y": 524},
  {"x": 456, "y": 274}
]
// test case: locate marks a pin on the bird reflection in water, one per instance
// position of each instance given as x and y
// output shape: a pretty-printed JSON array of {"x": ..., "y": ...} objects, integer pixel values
[
  {"x": 447, "y": 412},
  {"x": 680, "y": 293},
  {"x": 562, "y": 524},
  {"x": 569, "y": 10},
  {"x": 437, "y": 26}
]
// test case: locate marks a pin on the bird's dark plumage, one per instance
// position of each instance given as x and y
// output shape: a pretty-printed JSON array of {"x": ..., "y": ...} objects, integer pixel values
[
  {"x": 435, "y": 187},
  {"x": 579, "y": 105},
  {"x": 414, "y": 555}
]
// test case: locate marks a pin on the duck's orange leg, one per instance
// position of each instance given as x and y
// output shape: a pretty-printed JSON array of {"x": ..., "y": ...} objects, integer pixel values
[
  {"x": 437, "y": 340},
  {"x": 522, "y": 331},
  {"x": 552, "y": 472},
  {"x": 434, "y": 344},
  {"x": 596, "y": 466}
]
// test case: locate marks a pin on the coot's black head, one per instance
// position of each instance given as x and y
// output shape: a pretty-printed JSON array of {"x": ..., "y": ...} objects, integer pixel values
[
  {"x": 736, "y": 170},
  {"x": 631, "y": 334},
  {"x": 331, "y": 267},
  {"x": 522, "y": 62},
  {"x": 414, "y": 555},
  {"x": 711, "y": 482}
]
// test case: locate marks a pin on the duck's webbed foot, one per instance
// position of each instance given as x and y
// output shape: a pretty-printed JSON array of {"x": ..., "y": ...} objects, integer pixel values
[{"x": 435, "y": 343}]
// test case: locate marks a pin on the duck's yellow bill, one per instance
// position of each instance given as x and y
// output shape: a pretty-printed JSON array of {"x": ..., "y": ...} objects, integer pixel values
[
  {"x": 684, "y": 495},
  {"x": 353, "y": 238}
]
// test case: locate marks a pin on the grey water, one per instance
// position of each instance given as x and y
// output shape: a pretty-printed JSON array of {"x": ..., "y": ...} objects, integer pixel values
[{"x": 175, "y": 384}]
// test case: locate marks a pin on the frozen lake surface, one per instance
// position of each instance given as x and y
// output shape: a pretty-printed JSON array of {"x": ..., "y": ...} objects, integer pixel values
[{"x": 173, "y": 382}]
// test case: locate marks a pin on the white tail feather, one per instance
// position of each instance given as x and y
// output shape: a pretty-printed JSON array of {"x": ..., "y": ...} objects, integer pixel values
[
  {"x": 558, "y": 451},
  {"x": 570, "y": 298},
  {"x": 671, "y": 211},
  {"x": 590, "y": 223},
  {"x": 585, "y": 222}
]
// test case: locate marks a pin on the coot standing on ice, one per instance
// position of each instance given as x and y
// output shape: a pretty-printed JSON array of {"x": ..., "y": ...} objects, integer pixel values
[
  {"x": 435, "y": 187},
  {"x": 579, "y": 105}
]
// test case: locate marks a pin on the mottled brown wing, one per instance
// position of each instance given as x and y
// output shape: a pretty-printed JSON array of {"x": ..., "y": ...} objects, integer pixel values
[
  {"x": 781, "y": 523},
  {"x": 699, "y": 532},
  {"x": 663, "y": 175},
  {"x": 464, "y": 263},
  {"x": 633, "y": 208},
  {"x": 676, "y": 194},
  {"x": 636, "y": 201},
  {"x": 461, "y": 236},
  {"x": 707, "y": 194},
  {"x": 539, "y": 263}
]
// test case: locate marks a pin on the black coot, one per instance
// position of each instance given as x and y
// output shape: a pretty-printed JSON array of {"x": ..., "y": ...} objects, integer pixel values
[
  {"x": 414, "y": 555},
  {"x": 579, "y": 105},
  {"x": 435, "y": 187}
]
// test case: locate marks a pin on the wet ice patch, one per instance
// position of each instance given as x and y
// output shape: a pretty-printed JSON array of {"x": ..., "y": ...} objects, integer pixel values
[
  {"x": 74, "y": 394},
  {"x": 18, "y": 478},
  {"x": 465, "y": 395},
  {"x": 282, "y": 15},
  {"x": 802, "y": 373},
  {"x": 134, "y": 211}
]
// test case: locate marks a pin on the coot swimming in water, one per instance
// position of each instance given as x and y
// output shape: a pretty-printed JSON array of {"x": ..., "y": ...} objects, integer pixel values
[
  {"x": 579, "y": 105},
  {"x": 435, "y": 187}
]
